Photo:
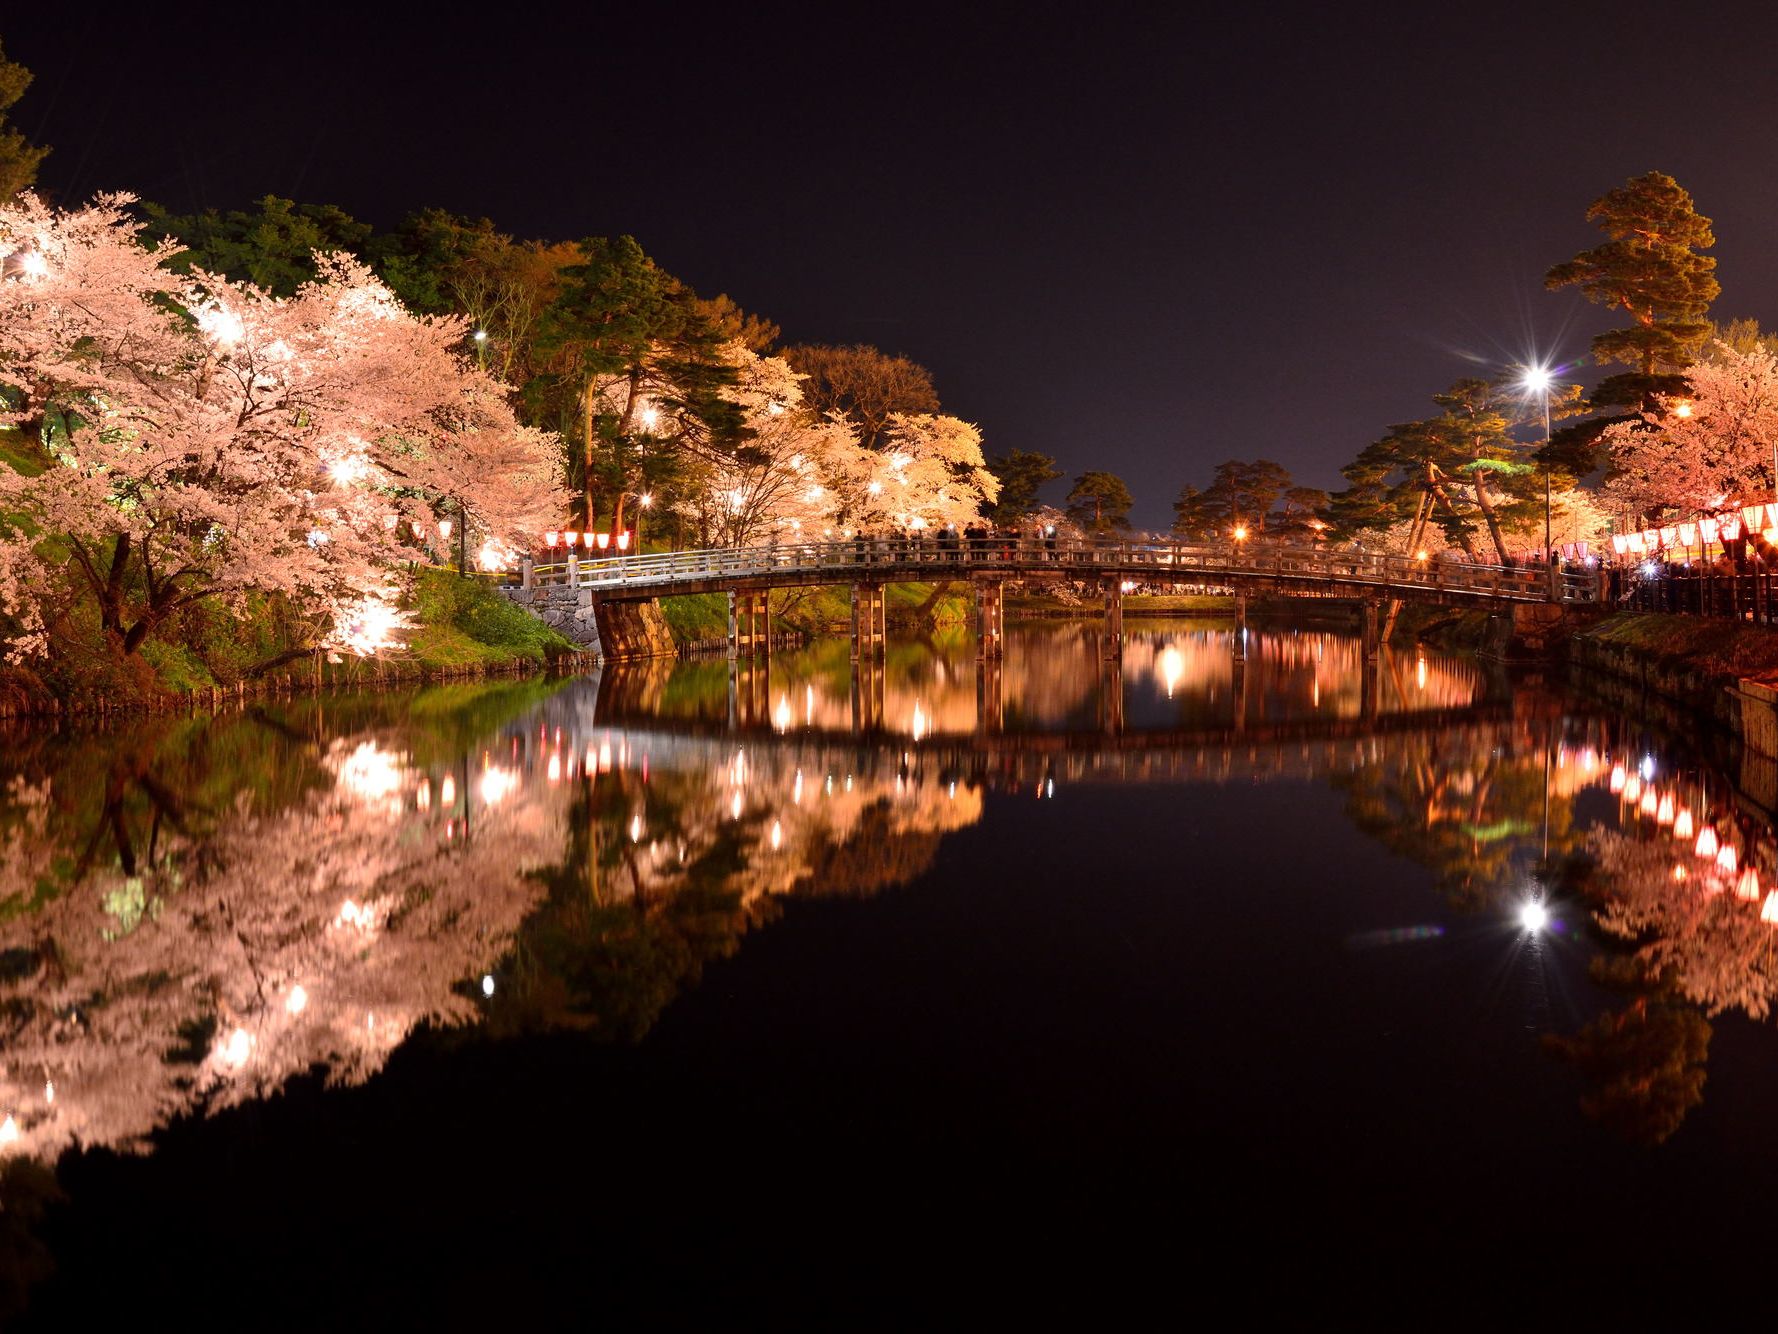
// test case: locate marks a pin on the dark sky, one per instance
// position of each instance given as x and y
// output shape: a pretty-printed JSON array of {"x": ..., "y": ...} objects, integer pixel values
[{"x": 1138, "y": 240}]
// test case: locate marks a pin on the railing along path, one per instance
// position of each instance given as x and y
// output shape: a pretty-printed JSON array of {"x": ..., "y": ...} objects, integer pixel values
[{"x": 890, "y": 559}]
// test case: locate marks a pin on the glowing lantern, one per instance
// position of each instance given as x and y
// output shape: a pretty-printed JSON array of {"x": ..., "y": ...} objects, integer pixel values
[
  {"x": 1617, "y": 779},
  {"x": 1748, "y": 887},
  {"x": 1754, "y": 516},
  {"x": 1730, "y": 528},
  {"x": 1620, "y": 544},
  {"x": 1651, "y": 540},
  {"x": 603, "y": 539},
  {"x": 444, "y": 529},
  {"x": 1682, "y": 824},
  {"x": 550, "y": 538},
  {"x": 1688, "y": 534},
  {"x": 569, "y": 538},
  {"x": 1650, "y": 803},
  {"x": 1669, "y": 536},
  {"x": 1636, "y": 544},
  {"x": 1725, "y": 859},
  {"x": 623, "y": 540},
  {"x": 1707, "y": 841},
  {"x": 1665, "y": 814},
  {"x": 1707, "y": 530}
]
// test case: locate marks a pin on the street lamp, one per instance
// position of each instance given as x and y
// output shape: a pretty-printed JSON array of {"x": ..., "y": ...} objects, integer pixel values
[
  {"x": 645, "y": 501},
  {"x": 1538, "y": 380}
]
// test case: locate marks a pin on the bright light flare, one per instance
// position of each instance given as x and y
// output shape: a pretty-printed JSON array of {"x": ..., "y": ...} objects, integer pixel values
[
  {"x": 1537, "y": 379},
  {"x": 1533, "y": 916},
  {"x": 497, "y": 784},
  {"x": 298, "y": 999}
]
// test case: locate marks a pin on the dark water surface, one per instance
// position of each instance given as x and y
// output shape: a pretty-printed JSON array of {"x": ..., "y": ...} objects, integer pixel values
[{"x": 1181, "y": 989}]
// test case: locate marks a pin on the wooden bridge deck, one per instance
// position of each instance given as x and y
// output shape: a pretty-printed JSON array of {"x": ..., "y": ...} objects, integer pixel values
[{"x": 1297, "y": 571}]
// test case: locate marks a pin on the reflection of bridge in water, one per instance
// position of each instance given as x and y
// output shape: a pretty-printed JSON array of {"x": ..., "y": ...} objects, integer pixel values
[
  {"x": 1308, "y": 748},
  {"x": 751, "y": 683}
]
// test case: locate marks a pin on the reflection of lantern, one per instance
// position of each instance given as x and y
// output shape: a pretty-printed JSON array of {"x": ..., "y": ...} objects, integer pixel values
[
  {"x": 1665, "y": 814},
  {"x": 1725, "y": 859},
  {"x": 1748, "y": 887},
  {"x": 1649, "y": 802},
  {"x": 1682, "y": 824},
  {"x": 1769, "y": 910},
  {"x": 1707, "y": 841},
  {"x": 1617, "y": 779},
  {"x": 1632, "y": 788}
]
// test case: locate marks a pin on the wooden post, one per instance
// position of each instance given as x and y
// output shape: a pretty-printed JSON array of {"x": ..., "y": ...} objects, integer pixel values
[
  {"x": 734, "y": 627},
  {"x": 1371, "y": 638},
  {"x": 1114, "y": 617},
  {"x": 990, "y": 618},
  {"x": 526, "y": 572}
]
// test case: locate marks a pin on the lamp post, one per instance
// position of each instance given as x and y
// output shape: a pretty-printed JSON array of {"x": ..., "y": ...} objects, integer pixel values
[
  {"x": 644, "y": 501},
  {"x": 1537, "y": 380}
]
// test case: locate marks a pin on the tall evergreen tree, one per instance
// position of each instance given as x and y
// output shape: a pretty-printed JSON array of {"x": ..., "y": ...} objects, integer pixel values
[
  {"x": 1100, "y": 502},
  {"x": 1022, "y": 475},
  {"x": 19, "y": 159},
  {"x": 1650, "y": 269}
]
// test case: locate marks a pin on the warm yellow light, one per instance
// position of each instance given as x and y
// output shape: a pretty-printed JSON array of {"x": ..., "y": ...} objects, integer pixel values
[
  {"x": 1617, "y": 779},
  {"x": 1240, "y": 532},
  {"x": 1748, "y": 888},
  {"x": 298, "y": 999},
  {"x": 1664, "y": 815},
  {"x": 1726, "y": 859},
  {"x": 1683, "y": 408},
  {"x": 1682, "y": 824},
  {"x": 1707, "y": 841},
  {"x": 1650, "y": 803}
]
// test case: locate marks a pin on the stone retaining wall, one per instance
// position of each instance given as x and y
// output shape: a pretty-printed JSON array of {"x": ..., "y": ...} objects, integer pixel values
[{"x": 615, "y": 631}]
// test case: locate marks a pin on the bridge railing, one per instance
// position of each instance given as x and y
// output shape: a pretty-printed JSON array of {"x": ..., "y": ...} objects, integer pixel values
[{"x": 1177, "y": 562}]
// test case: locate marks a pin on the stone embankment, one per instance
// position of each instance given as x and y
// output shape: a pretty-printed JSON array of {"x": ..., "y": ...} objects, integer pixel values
[{"x": 611, "y": 631}]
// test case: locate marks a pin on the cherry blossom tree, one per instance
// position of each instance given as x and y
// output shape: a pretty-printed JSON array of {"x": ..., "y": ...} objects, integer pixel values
[
  {"x": 197, "y": 438},
  {"x": 1696, "y": 453}
]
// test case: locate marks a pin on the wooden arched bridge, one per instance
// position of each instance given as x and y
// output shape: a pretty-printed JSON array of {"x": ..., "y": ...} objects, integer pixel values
[{"x": 572, "y": 589}]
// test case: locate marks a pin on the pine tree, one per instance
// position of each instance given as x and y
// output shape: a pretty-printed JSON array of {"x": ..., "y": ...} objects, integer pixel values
[
  {"x": 19, "y": 158},
  {"x": 1649, "y": 268}
]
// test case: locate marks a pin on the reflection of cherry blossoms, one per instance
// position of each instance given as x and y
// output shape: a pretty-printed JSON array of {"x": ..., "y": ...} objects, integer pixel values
[{"x": 315, "y": 935}]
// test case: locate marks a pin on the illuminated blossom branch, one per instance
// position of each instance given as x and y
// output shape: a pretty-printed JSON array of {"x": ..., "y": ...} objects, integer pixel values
[{"x": 199, "y": 438}]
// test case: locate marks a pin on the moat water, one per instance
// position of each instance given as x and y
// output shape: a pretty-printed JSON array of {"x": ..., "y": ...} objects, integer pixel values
[{"x": 1189, "y": 982}]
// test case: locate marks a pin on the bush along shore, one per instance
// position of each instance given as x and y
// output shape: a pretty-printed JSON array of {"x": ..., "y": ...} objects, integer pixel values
[{"x": 462, "y": 630}]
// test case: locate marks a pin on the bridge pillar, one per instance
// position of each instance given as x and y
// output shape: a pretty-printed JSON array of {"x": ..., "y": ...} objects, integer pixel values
[
  {"x": 1111, "y": 694},
  {"x": 1372, "y": 638},
  {"x": 990, "y": 710},
  {"x": 1367, "y": 689},
  {"x": 1240, "y": 627},
  {"x": 749, "y": 623},
  {"x": 525, "y": 572},
  {"x": 867, "y": 692},
  {"x": 990, "y": 618},
  {"x": 870, "y": 619},
  {"x": 573, "y": 568},
  {"x": 1114, "y": 618}
]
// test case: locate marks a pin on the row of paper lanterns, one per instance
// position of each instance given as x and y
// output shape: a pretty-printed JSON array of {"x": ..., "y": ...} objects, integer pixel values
[{"x": 1702, "y": 532}]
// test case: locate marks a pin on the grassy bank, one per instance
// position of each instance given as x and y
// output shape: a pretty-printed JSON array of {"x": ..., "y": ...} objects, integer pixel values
[
  {"x": 462, "y": 628},
  {"x": 1729, "y": 650}
]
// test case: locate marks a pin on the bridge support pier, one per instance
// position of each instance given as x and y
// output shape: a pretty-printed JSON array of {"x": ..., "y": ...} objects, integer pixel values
[
  {"x": 870, "y": 620},
  {"x": 749, "y": 623},
  {"x": 1111, "y": 694},
  {"x": 749, "y": 691},
  {"x": 1114, "y": 620},
  {"x": 1372, "y": 638},
  {"x": 990, "y": 710},
  {"x": 867, "y": 692},
  {"x": 990, "y": 618}
]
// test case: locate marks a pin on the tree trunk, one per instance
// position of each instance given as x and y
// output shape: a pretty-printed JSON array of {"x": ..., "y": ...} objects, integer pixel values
[
  {"x": 1444, "y": 499},
  {"x": 1487, "y": 508}
]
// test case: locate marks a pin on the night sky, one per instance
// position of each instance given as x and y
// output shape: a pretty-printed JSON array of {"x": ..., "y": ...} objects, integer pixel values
[{"x": 1136, "y": 240}]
